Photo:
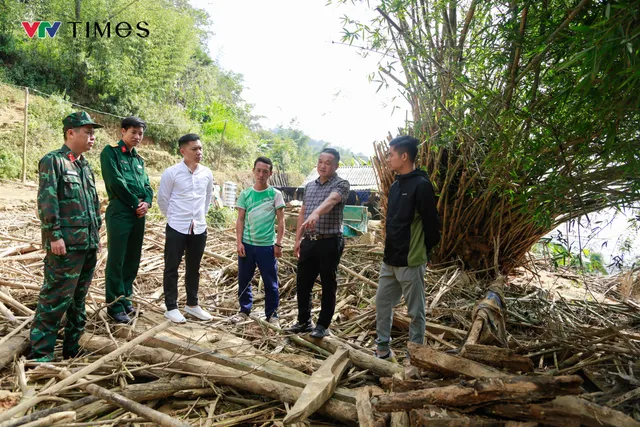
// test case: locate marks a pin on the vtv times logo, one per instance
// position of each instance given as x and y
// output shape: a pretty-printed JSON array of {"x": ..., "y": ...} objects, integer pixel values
[
  {"x": 42, "y": 27},
  {"x": 91, "y": 29}
]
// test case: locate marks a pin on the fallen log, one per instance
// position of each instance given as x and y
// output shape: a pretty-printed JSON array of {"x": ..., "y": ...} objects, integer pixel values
[
  {"x": 564, "y": 411},
  {"x": 22, "y": 286},
  {"x": 160, "y": 389},
  {"x": 8, "y": 299},
  {"x": 402, "y": 322},
  {"x": 15, "y": 346},
  {"x": 501, "y": 358},
  {"x": 341, "y": 411},
  {"x": 256, "y": 364},
  {"x": 150, "y": 414},
  {"x": 397, "y": 385},
  {"x": 482, "y": 391},
  {"x": 399, "y": 419},
  {"x": 112, "y": 355},
  {"x": 358, "y": 276},
  {"x": 363, "y": 406},
  {"x": 359, "y": 358},
  {"x": 15, "y": 331},
  {"x": 57, "y": 419},
  {"x": 453, "y": 366},
  {"x": 438, "y": 418},
  {"x": 46, "y": 412},
  {"x": 320, "y": 387},
  {"x": 7, "y": 314}
]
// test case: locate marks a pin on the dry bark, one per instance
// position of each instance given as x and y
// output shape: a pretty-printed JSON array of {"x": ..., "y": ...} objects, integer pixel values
[
  {"x": 564, "y": 411},
  {"x": 320, "y": 387},
  {"x": 453, "y": 366},
  {"x": 483, "y": 391},
  {"x": 501, "y": 358},
  {"x": 15, "y": 346}
]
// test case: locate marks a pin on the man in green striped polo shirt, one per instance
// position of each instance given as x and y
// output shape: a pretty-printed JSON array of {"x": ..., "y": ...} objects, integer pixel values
[{"x": 258, "y": 206}]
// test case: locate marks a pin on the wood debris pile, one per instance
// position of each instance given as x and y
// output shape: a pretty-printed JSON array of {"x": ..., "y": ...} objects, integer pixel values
[{"x": 569, "y": 361}]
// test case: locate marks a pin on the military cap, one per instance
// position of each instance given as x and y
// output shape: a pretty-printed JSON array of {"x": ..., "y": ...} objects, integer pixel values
[{"x": 77, "y": 119}]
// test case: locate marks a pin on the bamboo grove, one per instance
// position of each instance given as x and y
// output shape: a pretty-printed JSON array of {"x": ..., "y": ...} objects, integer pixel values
[{"x": 528, "y": 112}]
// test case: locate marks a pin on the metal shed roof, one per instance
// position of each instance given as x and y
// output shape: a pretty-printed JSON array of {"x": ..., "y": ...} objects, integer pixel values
[{"x": 360, "y": 177}]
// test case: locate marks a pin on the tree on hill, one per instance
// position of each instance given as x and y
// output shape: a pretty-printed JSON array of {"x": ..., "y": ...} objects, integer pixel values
[
  {"x": 528, "y": 112},
  {"x": 163, "y": 75}
]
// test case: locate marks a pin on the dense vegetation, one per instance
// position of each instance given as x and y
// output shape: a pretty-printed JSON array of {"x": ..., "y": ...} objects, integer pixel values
[
  {"x": 529, "y": 112},
  {"x": 163, "y": 74}
]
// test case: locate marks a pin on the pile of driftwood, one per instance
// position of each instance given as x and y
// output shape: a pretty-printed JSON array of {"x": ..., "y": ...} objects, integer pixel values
[{"x": 569, "y": 361}]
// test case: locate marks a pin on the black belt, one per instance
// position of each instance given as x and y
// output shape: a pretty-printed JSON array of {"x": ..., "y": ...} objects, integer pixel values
[{"x": 321, "y": 236}]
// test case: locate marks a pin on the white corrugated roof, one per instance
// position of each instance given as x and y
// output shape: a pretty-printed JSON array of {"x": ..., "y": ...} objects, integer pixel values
[{"x": 360, "y": 177}]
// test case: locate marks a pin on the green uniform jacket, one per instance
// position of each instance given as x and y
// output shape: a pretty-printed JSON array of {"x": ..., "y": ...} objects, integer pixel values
[
  {"x": 68, "y": 203},
  {"x": 124, "y": 175}
]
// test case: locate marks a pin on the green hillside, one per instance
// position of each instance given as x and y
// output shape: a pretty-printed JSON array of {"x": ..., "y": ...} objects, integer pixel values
[{"x": 164, "y": 75}]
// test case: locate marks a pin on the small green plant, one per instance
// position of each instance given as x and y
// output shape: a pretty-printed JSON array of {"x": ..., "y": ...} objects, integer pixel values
[
  {"x": 559, "y": 252},
  {"x": 222, "y": 218}
]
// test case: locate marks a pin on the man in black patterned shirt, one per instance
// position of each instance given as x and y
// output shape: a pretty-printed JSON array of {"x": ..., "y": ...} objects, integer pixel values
[{"x": 319, "y": 243}]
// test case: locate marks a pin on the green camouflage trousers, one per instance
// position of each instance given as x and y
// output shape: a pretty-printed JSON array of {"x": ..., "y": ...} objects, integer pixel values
[{"x": 66, "y": 282}]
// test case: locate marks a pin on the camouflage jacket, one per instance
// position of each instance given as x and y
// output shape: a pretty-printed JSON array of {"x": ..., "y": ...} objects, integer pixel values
[
  {"x": 124, "y": 175},
  {"x": 68, "y": 203}
]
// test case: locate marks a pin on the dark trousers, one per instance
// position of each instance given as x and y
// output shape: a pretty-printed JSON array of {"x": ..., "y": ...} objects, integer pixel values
[
  {"x": 125, "y": 233},
  {"x": 66, "y": 282},
  {"x": 192, "y": 247},
  {"x": 264, "y": 258},
  {"x": 318, "y": 257}
]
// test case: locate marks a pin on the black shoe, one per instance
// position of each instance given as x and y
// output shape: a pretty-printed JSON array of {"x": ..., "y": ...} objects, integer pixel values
[
  {"x": 72, "y": 354},
  {"x": 131, "y": 310},
  {"x": 301, "y": 329},
  {"x": 319, "y": 332},
  {"x": 120, "y": 318}
]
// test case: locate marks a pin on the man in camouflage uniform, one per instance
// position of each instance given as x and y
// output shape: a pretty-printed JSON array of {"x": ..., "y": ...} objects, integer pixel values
[
  {"x": 69, "y": 211},
  {"x": 130, "y": 197}
]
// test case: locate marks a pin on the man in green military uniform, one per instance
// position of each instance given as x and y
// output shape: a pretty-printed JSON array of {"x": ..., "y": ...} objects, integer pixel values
[
  {"x": 69, "y": 211},
  {"x": 130, "y": 197}
]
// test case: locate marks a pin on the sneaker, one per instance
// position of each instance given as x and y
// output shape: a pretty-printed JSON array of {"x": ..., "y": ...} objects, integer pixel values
[
  {"x": 175, "y": 316},
  {"x": 120, "y": 318},
  {"x": 239, "y": 317},
  {"x": 198, "y": 313},
  {"x": 390, "y": 356},
  {"x": 301, "y": 329},
  {"x": 131, "y": 310},
  {"x": 319, "y": 332},
  {"x": 273, "y": 320}
]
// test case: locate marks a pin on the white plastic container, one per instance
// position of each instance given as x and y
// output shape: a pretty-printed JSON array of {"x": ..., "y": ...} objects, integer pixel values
[{"x": 229, "y": 194}]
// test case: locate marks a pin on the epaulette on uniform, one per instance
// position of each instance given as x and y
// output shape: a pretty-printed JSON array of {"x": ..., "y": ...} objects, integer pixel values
[{"x": 113, "y": 144}]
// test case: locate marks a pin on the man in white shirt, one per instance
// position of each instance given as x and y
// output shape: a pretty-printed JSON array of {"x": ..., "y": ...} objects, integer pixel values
[{"x": 184, "y": 197}]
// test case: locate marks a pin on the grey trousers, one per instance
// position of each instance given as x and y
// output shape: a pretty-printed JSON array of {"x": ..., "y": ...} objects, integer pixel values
[{"x": 394, "y": 283}]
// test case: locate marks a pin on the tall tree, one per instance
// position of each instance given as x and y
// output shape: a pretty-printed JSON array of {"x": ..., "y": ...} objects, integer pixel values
[{"x": 528, "y": 111}]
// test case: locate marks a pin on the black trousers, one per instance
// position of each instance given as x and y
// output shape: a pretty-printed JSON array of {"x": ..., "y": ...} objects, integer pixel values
[
  {"x": 192, "y": 247},
  {"x": 318, "y": 257}
]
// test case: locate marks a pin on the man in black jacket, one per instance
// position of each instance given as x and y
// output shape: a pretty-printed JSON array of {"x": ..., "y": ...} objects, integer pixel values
[{"x": 412, "y": 229}]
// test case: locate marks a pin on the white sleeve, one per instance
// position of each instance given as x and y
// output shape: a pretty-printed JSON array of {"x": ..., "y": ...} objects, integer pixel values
[
  {"x": 209, "y": 196},
  {"x": 279, "y": 200},
  {"x": 164, "y": 192}
]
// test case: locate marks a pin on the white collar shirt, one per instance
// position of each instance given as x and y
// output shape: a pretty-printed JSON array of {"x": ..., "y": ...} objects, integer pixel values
[{"x": 184, "y": 197}]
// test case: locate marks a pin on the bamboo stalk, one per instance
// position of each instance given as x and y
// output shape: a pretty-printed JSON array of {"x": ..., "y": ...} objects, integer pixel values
[{"x": 98, "y": 363}]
